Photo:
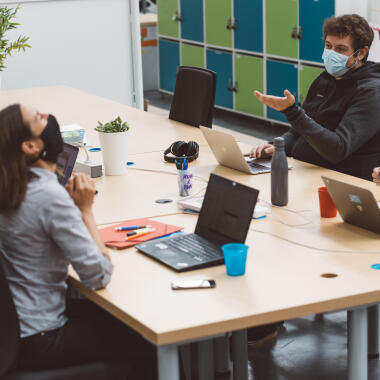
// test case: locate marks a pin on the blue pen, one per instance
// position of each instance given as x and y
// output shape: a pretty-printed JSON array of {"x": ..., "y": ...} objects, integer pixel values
[
  {"x": 185, "y": 164},
  {"x": 129, "y": 228}
]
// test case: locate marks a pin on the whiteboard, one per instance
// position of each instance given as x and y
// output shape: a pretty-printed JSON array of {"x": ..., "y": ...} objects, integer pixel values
[{"x": 90, "y": 45}]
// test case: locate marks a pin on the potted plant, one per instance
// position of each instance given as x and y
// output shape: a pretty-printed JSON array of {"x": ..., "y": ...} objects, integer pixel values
[
  {"x": 113, "y": 138},
  {"x": 7, "y": 15}
]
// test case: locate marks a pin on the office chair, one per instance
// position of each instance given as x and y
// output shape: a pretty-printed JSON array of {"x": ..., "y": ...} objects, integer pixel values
[
  {"x": 194, "y": 96},
  {"x": 9, "y": 349}
]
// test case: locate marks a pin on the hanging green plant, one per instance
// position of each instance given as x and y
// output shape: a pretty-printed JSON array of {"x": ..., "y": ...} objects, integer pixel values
[{"x": 7, "y": 15}]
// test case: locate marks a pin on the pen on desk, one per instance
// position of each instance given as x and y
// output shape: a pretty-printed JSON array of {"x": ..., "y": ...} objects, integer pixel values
[
  {"x": 140, "y": 233},
  {"x": 129, "y": 228}
]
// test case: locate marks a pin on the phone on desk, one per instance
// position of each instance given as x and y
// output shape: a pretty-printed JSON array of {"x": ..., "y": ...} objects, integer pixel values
[{"x": 192, "y": 284}]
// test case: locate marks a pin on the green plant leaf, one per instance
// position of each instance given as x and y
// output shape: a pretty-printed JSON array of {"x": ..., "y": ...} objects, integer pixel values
[
  {"x": 113, "y": 126},
  {"x": 7, "y": 16}
]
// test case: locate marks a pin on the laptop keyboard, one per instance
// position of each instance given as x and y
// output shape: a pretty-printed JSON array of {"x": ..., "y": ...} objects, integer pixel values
[
  {"x": 257, "y": 168},
  {"x": 196, "y": 247}
]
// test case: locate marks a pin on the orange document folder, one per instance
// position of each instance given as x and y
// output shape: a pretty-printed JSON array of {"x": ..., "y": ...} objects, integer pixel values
[{"x": 116, "y": 239}]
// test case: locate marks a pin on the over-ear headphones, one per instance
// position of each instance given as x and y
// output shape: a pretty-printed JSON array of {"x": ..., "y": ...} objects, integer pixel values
[{"x": 181, "y": 149}]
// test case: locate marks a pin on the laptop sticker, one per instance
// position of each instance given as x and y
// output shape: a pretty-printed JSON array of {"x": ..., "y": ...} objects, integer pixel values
[{"x": 355, "y": 198}]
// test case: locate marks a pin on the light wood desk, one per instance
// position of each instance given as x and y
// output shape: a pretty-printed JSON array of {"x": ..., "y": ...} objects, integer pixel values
[{"x": 283, "y": 279}]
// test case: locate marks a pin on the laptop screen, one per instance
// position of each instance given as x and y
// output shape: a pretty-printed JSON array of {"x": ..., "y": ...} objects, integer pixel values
[
  {"x": 65, "y": 163},
  {"x": 226, "y": 212}
]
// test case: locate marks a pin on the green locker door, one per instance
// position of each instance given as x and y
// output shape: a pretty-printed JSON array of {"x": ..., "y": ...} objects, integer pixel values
[
  {"x": 166, "y": 25},
  {"x": 281, "y": 19},
  {"x": 218, "y": 15},
  {"x": 307, "y": 77},
  {"x": 192, "y": 55},
  {"x": 248, "y": 77}
]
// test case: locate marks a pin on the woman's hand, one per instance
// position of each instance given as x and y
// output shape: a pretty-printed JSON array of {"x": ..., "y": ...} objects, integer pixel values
[
  {"x": 276, "y": 102},
  {"x": 82, "y": 190},
  {"x": 262, "y": 151},
  {"x": 375, "y": 176}
]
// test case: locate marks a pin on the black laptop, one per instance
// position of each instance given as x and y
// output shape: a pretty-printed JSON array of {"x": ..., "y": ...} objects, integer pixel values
[
  {"x": 225, "y": 217},
  {"x": 65, "y": 163}
]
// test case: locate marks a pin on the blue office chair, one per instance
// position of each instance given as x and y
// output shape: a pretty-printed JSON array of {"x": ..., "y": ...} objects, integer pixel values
[
  {"x": 9, "y": 350},
  {"x": 194, "y": 96}
]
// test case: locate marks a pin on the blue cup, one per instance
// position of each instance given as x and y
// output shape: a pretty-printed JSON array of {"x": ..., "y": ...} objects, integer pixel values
[{"x": 235, "y": 256}]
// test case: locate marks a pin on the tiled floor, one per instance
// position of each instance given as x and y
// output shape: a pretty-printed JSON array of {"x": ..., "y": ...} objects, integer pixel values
[{"x": 309, "y": 348}]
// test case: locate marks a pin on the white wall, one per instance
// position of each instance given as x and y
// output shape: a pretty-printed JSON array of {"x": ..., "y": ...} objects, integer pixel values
[
  {"x": 351, "y": 6},
  {"x": 86, "y": 44}
]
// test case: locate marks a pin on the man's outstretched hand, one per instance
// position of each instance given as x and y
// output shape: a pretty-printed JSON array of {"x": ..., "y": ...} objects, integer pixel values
[{"x": 276, "y": 102}]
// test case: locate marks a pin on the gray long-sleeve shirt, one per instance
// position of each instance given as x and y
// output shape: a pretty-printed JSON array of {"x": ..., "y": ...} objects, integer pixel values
[{"x": 37, "y": 244}]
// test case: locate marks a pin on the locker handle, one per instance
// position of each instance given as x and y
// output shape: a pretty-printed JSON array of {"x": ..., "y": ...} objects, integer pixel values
[
  {"x": 177, "y": 16},
  {"x": 297, "y": 32},
  {"x": 294, "y": 32},
  {"x": 231, "y": 24},
  {"x": 232, "y": 86},
  {"x": 299, "y": 35}
]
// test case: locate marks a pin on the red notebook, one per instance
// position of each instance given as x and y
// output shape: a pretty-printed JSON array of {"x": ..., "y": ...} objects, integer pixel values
[{"x": 116, "y": 239}]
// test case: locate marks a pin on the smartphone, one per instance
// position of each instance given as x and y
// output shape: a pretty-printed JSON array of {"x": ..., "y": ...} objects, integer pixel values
[{"x": 192, "y": 284}]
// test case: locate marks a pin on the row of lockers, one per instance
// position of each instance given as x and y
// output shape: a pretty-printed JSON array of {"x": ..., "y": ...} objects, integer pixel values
[
  {"x": 284, "y": 28},
  {"x": 237, "y": 76}
]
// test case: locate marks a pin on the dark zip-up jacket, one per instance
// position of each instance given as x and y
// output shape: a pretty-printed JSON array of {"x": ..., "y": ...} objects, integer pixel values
[{"x": 338, "y": 126}]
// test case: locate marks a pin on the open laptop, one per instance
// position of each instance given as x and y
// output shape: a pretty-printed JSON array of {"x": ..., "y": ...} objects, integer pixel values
[
  {"x": 65, "y": 163},
  {"x": 224, "y": 218},
  {"x": 227, "y": 152},
  {"x": 356, "y": 205}
]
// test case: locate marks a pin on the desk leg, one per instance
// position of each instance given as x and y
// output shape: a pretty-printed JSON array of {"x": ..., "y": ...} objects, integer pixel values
[
  {"x": 222, "y": 354},
  {"x": 206, "y": 360},
  {"x": 168, "y": 362},
  {"x": 373, "y": 332},
  {"x": 240, "y": 355},
  {"x": 185, "y": 352},
  {"x": 357, "y": 325}
]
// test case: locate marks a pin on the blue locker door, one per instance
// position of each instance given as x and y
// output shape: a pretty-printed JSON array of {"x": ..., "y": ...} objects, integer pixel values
[
  {"x": 221, "y": 63},
  {"x": 280, "y": 76},
  {"x": 311, "y": 44},
  {"x": 249, "y": 25},
  {"x": 192, "y": 20},
  {"x": 169, "y": 62}
]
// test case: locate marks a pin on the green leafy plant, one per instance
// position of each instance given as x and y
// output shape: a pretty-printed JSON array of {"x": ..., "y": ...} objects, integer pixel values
[
  {"x": 113, "y": 126},
  {"x": 7, "y": 15}
]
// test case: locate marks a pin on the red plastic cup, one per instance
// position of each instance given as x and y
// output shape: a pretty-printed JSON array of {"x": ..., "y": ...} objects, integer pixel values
[{"x": 326, "y": 204}]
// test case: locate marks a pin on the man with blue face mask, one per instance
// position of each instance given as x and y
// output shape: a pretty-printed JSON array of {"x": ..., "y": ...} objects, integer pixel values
[{"x": 338, "y": 126}]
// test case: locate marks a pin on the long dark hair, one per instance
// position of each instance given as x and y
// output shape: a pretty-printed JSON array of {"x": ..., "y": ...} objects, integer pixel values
[{"x": 13, "y": 162}]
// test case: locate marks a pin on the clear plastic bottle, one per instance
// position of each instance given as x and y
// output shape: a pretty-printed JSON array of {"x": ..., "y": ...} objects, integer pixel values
[{"x": 279, "y": 174}]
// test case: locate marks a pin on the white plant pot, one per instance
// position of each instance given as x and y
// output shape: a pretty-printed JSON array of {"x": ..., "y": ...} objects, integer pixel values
[{"x": 114, "y": 150}]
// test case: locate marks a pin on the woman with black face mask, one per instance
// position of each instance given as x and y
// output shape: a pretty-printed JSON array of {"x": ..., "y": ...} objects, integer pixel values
[{"x": 44, "y": 228}]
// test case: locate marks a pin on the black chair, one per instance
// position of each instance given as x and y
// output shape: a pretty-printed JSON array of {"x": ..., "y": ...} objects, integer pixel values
[
  {"x": 9, "y": 350},
  {"x": 194, "y": 96}
]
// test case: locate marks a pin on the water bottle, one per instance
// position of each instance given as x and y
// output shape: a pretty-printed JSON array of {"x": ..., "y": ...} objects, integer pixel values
[{"x": 279, "y": 174}]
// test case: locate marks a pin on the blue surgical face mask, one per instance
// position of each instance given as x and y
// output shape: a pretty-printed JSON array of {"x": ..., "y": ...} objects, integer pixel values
[{"x": 335, "y": 63}]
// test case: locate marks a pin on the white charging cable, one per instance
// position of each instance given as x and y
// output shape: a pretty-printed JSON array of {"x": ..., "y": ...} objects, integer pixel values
[
  {"x": 327, "y": 250},
  {"x": 300, "y": 213}
]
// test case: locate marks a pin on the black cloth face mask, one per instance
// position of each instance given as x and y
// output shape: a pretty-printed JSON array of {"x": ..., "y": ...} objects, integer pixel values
[{"x": 52, "y": 138}]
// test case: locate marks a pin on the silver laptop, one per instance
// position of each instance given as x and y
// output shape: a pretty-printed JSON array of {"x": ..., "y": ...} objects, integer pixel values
[
  {"x": 227, "y": 152},
  {"x": 356, "y": 205}
]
